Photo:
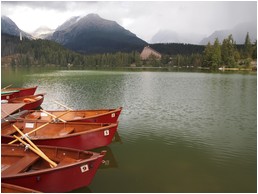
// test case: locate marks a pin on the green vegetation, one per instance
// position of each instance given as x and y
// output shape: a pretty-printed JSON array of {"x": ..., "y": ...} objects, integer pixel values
[
  {"x": 228, "y": 55},
  {"x": 212, "y": 56}
]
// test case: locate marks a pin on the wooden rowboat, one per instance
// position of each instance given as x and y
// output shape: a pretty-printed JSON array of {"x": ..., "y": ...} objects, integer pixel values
[
  {"x": 79, "y": 135},
  {"x": 31, "y": 102},
  {"x": 9, "y": 188},
  {"x": 75, "y": 168},
  {"x": 92, "y": 116},
  {"x": 10, "y": 93}
]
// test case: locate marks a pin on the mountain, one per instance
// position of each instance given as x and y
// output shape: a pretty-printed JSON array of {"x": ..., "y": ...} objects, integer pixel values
[
  {"x": 42, "y": 32},
  {"x": 9, "y": 27},
  {"x": 170, "y": 36},
  {"x": 93, "y": 34},
  {"x": 238, "y": 32},
  {"x": 67, "y": 24}
]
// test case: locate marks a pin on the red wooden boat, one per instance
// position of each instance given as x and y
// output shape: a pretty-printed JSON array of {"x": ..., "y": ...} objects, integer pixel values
[
  {"x": 79, "y": 135},
  {"x": 92, "y": 116},
  {"x": 75, "y": 168},
  {"x": 6, "y": 95},
  {"x": 9, "y": 188},
  {"x": 10, "y": 93},
  {"x": 31, "y": 102}
]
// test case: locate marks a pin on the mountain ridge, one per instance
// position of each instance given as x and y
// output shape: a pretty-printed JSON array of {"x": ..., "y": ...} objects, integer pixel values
[
  {"x": 8, "y": 26},
  {"x": 238, "y": 32},
  {"x": 92, "y": 33}
]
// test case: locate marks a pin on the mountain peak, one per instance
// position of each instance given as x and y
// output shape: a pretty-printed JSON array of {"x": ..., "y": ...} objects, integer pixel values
[
  {"x": 9, "y": 27},
  {"x": 93, "y": 34},
  {"x": 93, "y": 16}
]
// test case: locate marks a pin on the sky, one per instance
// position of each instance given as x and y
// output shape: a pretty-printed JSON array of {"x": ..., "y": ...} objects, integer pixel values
[{"x": 143, "y": 18}]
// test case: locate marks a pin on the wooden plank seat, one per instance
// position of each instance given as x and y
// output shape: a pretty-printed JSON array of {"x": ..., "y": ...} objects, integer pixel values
[
  {"x": 8, "y": 131},
  {"x": 20, "y": 165}
]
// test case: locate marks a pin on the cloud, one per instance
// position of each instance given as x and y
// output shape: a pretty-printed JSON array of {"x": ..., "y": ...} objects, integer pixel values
[{"x": 144, "y": 18}]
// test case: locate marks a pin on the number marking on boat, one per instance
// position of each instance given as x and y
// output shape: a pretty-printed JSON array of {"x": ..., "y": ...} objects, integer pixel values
[
  {"x": 29, "y": 125},
  {"x": 106, "y": 132},
  {"x": 42, "y": 114},
  {"x": 84, "y": 168},
  {"x": 113, "y": 115}
]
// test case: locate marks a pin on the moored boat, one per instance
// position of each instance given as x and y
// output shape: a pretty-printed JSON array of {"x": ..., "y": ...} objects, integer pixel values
[
  {"x": 97, "y": 116},
  {"x": 75, "y": 168},
  {"x": 9, "y": 93},
  {"x": 79, "y": 135},
  {"x": 31, "y": 102},
  {"x": 9, "y": 188}
]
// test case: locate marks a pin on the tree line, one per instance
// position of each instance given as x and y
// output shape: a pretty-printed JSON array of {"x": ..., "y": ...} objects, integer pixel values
[
  {"x": 44, "y": 52},
  {"x": 228, "y": 55}
]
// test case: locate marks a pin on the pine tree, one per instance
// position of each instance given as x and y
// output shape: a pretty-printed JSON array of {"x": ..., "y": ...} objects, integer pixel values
[
  {"x": 207, "y": 58},
  {"x": 216, "y": 54},
  {"x": 228, "y": 52},
  {"x": 254, "y": 54},
  {"x": 248, "y": 50}
]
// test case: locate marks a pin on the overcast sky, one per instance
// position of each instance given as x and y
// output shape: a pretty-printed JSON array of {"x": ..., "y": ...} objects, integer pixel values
[{"x": 143, "y": 18}]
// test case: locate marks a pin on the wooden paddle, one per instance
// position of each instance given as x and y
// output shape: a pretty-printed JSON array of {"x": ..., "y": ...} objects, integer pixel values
[
  {"x": 31, "y": 132},
  {"x": 55, "y": 115},
  {"x": 39, "y": 152},
  {"x": 63, "y": 105},
  {"x": 7, "y": 87},
  {"x": 52, "y": 164},
  {"x": 34, "y": 130}
]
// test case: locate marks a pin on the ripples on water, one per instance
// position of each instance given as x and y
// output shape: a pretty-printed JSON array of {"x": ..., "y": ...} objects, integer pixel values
[{"x": 205, "y": 124}]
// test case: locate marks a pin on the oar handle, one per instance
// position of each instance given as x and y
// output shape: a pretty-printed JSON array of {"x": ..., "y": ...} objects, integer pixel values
[
  {"x": 34, "y": 130},
  {"x": 33, "y": 145},
  {"x": 63, "y": 105},
  {"x": 53, "y": 115},
  {"x": 52, "y": 164},
  {"x": 7, "y": 86},
  {"x": 29, "y": 132}
]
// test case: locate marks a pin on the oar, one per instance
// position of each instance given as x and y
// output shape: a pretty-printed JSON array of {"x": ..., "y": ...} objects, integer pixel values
[
  {"x": 63, "y": 105},
  {"x": 52, "y": 164},
  {"x": 7, "y": 87},
  {"x": 31, "y": 131},
  {"x": 33, "y": 145},
  {"x": 55, "y": 115},
  {"x": 34, "y": 130}
]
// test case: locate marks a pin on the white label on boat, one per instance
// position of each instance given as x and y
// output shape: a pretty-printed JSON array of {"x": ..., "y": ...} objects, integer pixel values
[
  {"x": 113, "y": 115},
  {"x": 43, "y": 114},
  {"x": 106, "y": 132},
  {"x": 7, "y": 97},
  {"x": 29, "y": 125},
  {"x": 84, "y": 168}
]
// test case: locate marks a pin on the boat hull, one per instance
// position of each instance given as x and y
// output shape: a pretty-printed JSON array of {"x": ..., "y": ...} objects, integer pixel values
[
  {"x": 58, "y": 179},
  {"x": 85, "y": 141},
  {"x": 21, "y": 92},
  {"x": 29, "y": 105},
  {"x": 90, "y": 116}
]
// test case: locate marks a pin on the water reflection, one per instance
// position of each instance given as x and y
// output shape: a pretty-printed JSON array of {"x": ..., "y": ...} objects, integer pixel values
[
  {"x": 181, "y": 132},
  {"x": 109, "y": 160}
]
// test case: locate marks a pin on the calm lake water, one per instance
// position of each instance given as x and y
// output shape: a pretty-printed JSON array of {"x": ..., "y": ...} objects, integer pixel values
[{"x": 178, "y": 132}]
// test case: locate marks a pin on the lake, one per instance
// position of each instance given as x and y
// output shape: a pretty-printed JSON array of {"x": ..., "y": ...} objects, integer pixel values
[{"x": 178, "y": 131}]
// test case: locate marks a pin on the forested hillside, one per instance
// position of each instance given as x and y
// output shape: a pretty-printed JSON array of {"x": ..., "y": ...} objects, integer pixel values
[
  {"x": 178, "y": 48},
  {"x": 45, "y": 52}
]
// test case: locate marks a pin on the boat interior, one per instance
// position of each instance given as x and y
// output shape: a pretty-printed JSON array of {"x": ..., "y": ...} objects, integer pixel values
[
  {"x": 71, "y": 115},
  {"x": 18, "y": 159},
  {"x": 50, "y": 130}
]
